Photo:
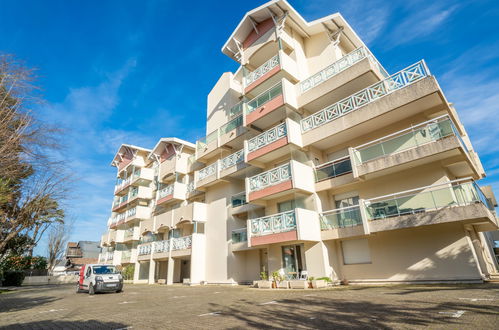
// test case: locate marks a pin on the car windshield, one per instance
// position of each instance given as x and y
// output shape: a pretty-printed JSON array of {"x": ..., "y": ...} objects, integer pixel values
[{"x": 104, "y": 270}]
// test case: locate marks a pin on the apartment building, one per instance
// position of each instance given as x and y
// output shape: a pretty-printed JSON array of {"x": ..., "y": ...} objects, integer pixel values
[{"x": 315, "y": 159}]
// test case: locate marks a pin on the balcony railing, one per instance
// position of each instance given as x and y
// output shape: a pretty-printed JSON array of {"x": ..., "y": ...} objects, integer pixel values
[
  {"x": 261, "y": 70},
  {"x": 267, "y": 137},
  {"x": 239, "y": 235},
  {"x": 207, "y": 171},
  {"x": 276, "y": 223},
  {"x": 263, "y": 98},
  {"x": 415, "y": 136},
  {"x": 239, "y": 199},
  {"x": 144, "y": 249},
  {"x": 382, "y": 88},
  {"x": 341, "y": 218},
  {"x": 270, "y": 178},
  {"x": 178, "y": 243},
  {"x": 232, "y": 159},
  {"x": 339, "y": 66},
  {"x": 440, "y": 196},
  {"x": 237, "y": 109},
  {"x": 165, "y": 191},
  {"x": 129, "y": 232},
  {"x": 203, "y": 143},
  {"x": 333, "y": 169},
  {"x": 122, "y": 183},
  {"x": 231, "y": 125}
]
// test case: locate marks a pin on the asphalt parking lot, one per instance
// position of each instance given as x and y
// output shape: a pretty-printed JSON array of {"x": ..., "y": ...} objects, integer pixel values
[{"x": 180, "y": 307}]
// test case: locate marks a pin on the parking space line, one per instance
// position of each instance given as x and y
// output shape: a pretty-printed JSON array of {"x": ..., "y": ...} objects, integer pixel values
[{"x": 212, "y": 313}]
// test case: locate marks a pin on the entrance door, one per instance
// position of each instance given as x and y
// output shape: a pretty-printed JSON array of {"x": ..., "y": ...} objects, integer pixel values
[
  {"x": 185, "y": 270},
  {"x": 292, "y": 260}
]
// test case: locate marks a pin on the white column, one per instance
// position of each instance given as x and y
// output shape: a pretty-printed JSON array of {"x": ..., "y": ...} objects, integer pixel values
[
  {"x": 170, "y": 270},
  {"x": 317, "y": 260}
]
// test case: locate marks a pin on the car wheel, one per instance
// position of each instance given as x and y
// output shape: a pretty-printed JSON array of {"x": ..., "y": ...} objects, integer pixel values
[
  {"x": 120, "y": 290},
  {"x": 91, "y": 289},
  {"x": 78, "y": 290}
]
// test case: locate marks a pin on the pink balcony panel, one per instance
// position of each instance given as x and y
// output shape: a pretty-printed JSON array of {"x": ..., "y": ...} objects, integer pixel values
[
  {"x": 263, "y": 78},
  {"x": 268, "y": 148},
  {"x": 274, "y": 238},
  {"x": 164, "y": 199},
  {"x": 265, "y": 109},
  {"x": 283, "y": 186}
]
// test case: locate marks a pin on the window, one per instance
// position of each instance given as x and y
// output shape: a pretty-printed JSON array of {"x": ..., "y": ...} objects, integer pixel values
[
  {"x": 286, "y": 206},
  {"x": 346, "y": 202},
  {"x": 89, "y": 271},
  {"x": 356, "y": 252}
]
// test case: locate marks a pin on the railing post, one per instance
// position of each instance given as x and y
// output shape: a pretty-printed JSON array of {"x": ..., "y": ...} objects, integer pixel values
[{"x": 363, "y": 215}]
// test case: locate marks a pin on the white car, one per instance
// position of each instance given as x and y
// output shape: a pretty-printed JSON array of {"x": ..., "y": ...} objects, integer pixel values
[{"x": 99, "y": 278}]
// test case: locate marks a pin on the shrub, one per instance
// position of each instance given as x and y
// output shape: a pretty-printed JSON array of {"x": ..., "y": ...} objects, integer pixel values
[
  {"x": 264, "y": 276},
  {"x": 128, "y": 271},
  {"x": 13, "y": 278},
  {"x": 327, "y": 279}
]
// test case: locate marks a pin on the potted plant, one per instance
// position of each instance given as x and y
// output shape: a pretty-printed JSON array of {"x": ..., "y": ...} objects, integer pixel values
[
  {"x": 283, "y": 283},
  {"x": 275, "y": 279},
  {"x": 310, "y": 280},
  {"x": 321, "y": 282},
  {"x": 264, "y": 283}
]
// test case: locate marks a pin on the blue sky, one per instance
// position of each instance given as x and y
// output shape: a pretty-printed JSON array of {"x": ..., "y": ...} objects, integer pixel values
[{"x": 129, "y": 71}]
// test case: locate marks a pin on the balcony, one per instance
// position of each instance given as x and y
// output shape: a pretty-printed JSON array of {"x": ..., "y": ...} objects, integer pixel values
[
  {"x": 192, "y": 212},
  {"x": 137, "y": 213},
  {"x": 144, "y": 251},
  {"x": 135, "y": 194},
  {"x": 352, "y": 72},
  {"x": 207, "y": 176},
  {"x": 233, "y": 165},
  {"x": 179, "y": 246},
  {"x": 267, "y": 74},
  {"x": 126, "y": 256},
  {"x": 173, "y": 192},
  {"x": 296, "y": 225},
  {"x": 288, "y": 178},
  {"x": 131, "y": 234},
  {"x": 192, "y": 192},
  {"x": 333, "y": 174},
  {"x": 228, "y": 136},
  {"x": 403, "y": 95},
  {"x": 239, "y": 205},
  {"x": 239, "y": 240},
  {"x": 271, "y": 106},
  {"x": 433, "y": 140},
  {"x": 342, "y": 222},
  {"x": 273, "y": 143},
  {"x": 103, "y": 239},
  {"x": 450, "y": 201},
  {"x": 169, "y": 167},
  {"x": 141, "y": 176}
]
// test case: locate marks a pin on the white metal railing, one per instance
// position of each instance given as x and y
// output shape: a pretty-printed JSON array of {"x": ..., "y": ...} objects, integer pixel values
[
  {"x": 261, "y": 70},
  {"x": 144, "y": 249},
  {"x": 161, "y": 246},
  {"x": 382, "y": 88},
  {"x": 207, "y": 171},
  {"x": 165, "y": 191},
  {"x": 414, "y": 136},
  {"x": 181, "y": 243},
  {"x": 231, "y": 160},
  {"x": 128, "y": 180},
  {"x": 276, "y": 223},
  {"x": 267, "y": 137},
  {"x": 338, "y": 66},
  {"x": 131, "y": 212},
  {"x": 270, "y": 178}
]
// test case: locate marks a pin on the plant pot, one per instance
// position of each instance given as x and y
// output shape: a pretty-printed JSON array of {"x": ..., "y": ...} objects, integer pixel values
[
  {"x": 274, "y": 285},
  {"x": 298, "y": 284},
  {"x": 263, "y": 284},
  {"x": 317, "y": 284},
  {"x": 310, "y": 285},
  {"x": 283, "y": 285}
]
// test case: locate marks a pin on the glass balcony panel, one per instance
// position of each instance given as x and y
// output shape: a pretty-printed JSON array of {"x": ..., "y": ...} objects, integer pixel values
[
  {"x": 239, "y": 235},
  {"x": 263, "y": 98},
  {"x": 341, "y": 218},
  {"x": 231, "y": 125},
  {"x": 238, "y": 200},
  {"x": 333, "y": 170}
]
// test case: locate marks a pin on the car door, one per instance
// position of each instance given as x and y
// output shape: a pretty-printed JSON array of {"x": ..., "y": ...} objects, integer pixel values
[{"x": 88, "y": 277}]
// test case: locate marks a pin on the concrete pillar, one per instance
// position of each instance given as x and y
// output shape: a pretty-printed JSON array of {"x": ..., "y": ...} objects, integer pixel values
[
  {"x": 169, "y": 273},
  {"x": 198, "y": 259},
  {"x": 152, "y": 271},
  {"x": 317, "y": 260},
  {"x": 136, "y": 271}
]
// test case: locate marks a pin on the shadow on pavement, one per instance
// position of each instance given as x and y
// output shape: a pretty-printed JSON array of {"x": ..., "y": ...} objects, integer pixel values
[
  {"x": 333, "y": 314},
  {"x": 16, "y": 303},
  {"x": 91, "y": 324}
]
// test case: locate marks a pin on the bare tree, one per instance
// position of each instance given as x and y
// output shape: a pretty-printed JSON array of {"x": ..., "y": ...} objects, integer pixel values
[
  {"x": 33, "y": 183},
  {"x": 57, "y": 239}
]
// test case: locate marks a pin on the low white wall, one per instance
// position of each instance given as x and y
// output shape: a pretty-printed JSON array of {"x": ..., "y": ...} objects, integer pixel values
[{"x": 44, "y": 280}]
